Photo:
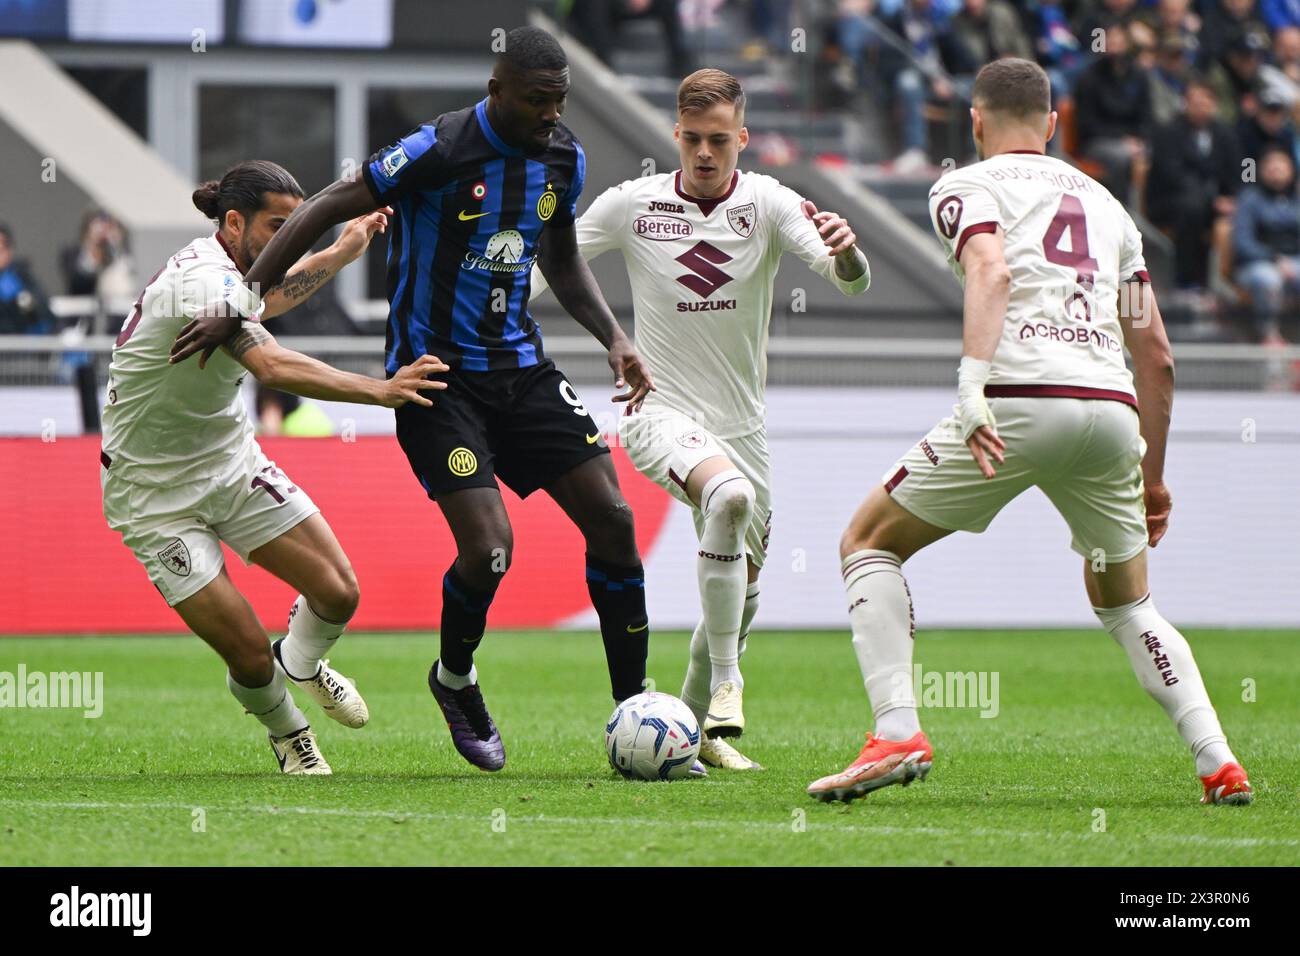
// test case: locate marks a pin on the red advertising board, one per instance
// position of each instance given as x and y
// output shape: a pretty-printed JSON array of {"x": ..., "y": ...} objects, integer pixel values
[{"x": 63, "y": 571}]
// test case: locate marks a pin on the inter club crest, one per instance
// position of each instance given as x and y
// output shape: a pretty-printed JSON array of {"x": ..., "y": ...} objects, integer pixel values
[
  {"x": 176, "y": 558},
  {"x": 742, "y": 219}
]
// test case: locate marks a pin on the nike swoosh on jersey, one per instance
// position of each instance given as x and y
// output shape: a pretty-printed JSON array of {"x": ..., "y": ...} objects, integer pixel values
[{"x": 466, "y": 217}]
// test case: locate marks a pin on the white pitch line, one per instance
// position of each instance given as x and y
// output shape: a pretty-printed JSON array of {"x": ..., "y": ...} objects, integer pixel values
[{"x": 878, "y": 830}]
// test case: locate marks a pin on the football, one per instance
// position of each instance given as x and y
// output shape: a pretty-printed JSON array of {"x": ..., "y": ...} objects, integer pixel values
[{"x": 652, "y": 736}]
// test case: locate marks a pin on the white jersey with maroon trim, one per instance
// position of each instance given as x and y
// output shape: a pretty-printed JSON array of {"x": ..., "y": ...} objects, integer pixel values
[
  {"x": 1070, "y": 246},
  {"x": 168, "y": 424},
  {"x": 701, "y": 272}
]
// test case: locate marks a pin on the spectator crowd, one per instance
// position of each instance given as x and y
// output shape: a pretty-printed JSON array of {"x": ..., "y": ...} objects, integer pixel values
[{"x": 1187, "y": 110}]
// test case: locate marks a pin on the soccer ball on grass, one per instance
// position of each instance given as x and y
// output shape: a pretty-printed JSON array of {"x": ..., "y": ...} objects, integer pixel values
[{"x": 652, "y": 736}]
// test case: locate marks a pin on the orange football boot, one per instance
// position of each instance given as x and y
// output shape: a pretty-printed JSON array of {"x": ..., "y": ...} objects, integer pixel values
[
  {"x": 1228, "y": 784},
  {"x": 881, "y": 763}
]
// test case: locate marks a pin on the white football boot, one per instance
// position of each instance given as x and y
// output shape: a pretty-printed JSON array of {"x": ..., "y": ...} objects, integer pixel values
[
  {"x": 716, "y": 752},
  {"x": 298, "y": 754},
  {"x": 725, "y": 716},
  {"x": 335, "y": 694}
]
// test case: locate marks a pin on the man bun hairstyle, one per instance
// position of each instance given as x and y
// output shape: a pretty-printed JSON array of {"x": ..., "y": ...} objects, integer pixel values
[
  {"x": 706, "y": 88},
  {"x": 1013, "y": 87},
  {"x": 532, "y": 48},
  {"x": 243, "y": 188}
]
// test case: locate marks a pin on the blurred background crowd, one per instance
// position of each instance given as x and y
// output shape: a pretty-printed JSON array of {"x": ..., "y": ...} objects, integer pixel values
[{"x": 1186, "y": 109}]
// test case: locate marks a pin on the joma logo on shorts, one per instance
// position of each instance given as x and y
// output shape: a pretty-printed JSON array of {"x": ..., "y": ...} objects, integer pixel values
[
  {"x": 929, "y": 452},
  {"x": 721, "y": 557}
]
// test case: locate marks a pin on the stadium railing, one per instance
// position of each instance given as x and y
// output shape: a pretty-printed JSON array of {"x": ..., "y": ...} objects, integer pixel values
[{"x": 805, "y": 361}]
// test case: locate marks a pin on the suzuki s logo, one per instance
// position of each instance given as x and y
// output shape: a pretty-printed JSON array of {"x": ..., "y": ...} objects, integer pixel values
[{"x": 703, "y": 261}]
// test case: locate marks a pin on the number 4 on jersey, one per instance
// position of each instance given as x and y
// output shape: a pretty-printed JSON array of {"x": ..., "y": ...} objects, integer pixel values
[{"x": 1070, "y": 218}]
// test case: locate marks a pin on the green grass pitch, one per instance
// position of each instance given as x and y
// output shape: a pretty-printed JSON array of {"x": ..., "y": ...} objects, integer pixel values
[{"x": 174, "y": 773}]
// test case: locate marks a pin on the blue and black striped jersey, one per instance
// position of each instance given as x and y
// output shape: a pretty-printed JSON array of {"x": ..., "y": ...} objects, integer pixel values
[{"x": 469, "y": 213}]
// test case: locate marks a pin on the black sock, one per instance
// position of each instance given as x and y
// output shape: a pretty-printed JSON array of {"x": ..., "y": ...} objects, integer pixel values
[
  {"x": 618, "y": 595},
  {"x": 464, "y": 617}
]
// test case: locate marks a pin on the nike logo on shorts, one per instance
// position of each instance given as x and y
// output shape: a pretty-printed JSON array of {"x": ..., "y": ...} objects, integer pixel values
[{"x": 592, "y": 439}]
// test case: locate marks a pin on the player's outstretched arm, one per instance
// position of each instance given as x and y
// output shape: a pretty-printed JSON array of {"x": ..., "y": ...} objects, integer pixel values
[
  {"x": 1153, "y": 375},
  {"x": 576, "y": 290},
  {"x": 987, "y": 291},
  {"x": 215, "y": 324},
  {"x": 851, "y": 266},
  {"x": 289, "y": 371},
  {"x": 316, "y": 270}
]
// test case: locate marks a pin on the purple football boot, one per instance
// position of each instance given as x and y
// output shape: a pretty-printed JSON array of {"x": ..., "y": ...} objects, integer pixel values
[{"x": 472, "y": 731}]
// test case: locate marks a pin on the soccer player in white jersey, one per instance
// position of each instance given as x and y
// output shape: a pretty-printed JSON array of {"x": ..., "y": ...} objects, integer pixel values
[
  {"x": 1055, "y": 287},
  {"x": 182, "y": 471},
  {"x": 702, "y": 245}
]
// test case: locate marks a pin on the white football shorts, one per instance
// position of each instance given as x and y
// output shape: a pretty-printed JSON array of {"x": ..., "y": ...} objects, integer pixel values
[
  {"x": 1085, "y": 455},
  {"x": 176, "y": 531},
  {"x": 666, "y": 445}
]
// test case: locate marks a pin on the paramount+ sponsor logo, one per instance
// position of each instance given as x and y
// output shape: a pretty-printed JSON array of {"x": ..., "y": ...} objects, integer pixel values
[{"x": 661, "y": 228}]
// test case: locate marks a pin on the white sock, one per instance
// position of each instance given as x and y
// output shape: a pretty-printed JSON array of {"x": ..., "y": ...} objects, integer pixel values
[
  {"x": 727, "y": 503},
  {"x": 309, "y": 639},
  {"x": 457, "y": 681},
  {"x": 880, "y": 614},
  {"x": 747, "y": 617},
  {"x": 272, "y": 705},
  {"x": 695, "y": 689},
  {"x": 1168, "y": 672}
]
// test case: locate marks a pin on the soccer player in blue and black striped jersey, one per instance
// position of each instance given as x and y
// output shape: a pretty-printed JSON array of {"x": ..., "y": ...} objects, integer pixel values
[{"x": 480, "y": 194}]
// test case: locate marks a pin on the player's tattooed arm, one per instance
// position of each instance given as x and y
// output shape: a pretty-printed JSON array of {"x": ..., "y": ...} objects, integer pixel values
[
  {"x": 296, "y": 287},
  {"x": 289, "y": 371},
  {"x": 316, "y": 270},
  {"x": 343, "y": 200},
  {"x": 248, "y": 338}
]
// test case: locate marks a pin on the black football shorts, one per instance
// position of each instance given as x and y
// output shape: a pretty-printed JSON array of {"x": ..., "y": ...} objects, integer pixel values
[{"x": 525, "y": 426}]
